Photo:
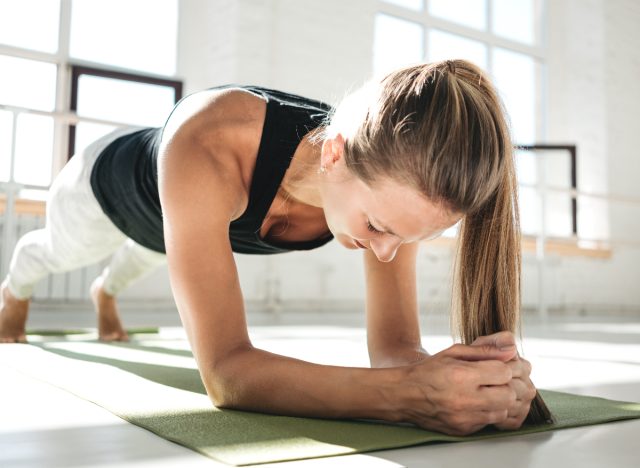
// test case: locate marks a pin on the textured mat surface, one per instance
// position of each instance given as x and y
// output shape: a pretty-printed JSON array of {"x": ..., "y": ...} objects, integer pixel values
[{"x": 155, "y": 384}]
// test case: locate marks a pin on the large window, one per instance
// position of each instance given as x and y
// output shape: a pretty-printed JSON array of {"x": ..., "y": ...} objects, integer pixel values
[
  {"x": 72, "y": 70},
  {"x": 504, "y": 38}
]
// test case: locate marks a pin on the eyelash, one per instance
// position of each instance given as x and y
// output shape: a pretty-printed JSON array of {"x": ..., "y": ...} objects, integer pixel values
[{"x": 371, "y": 228}]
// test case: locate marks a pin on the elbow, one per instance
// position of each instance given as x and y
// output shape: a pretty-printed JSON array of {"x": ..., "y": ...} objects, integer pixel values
[
  {"x": 224, "y": 394},
  {"x": 226, "y": 382}
]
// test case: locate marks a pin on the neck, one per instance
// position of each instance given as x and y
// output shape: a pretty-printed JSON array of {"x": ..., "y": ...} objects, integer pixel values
[{"x": 301, "y": 182}]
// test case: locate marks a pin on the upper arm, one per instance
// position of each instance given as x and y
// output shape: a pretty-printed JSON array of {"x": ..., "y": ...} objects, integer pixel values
[
  {"x": 392, "y": 309},
  {"x": 199, "y": 198}
]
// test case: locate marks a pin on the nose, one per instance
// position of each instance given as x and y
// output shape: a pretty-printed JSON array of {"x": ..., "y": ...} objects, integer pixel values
[{"x": 385, "y": 248}]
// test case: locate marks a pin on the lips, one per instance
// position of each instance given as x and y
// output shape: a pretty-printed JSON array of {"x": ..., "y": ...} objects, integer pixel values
[{"x": 359, "y": 244}]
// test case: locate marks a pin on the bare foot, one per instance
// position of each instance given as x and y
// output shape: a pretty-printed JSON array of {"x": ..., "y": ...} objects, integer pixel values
[
  {"x": 109, "y": 325},
  {"x": 13, "y": 317}
]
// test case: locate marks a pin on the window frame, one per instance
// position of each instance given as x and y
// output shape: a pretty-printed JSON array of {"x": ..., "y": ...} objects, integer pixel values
[
  {"x": 77, "y": 71},
  {"x": 537, "y": 51},
  {"x": 64, "y": 115}
]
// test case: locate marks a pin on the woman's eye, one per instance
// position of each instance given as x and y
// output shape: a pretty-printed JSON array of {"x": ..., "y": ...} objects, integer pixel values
[{"x": 371, "y": 228}]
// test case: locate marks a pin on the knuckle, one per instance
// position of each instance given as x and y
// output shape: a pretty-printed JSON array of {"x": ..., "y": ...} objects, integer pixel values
[{"x": 488, "y": 348}]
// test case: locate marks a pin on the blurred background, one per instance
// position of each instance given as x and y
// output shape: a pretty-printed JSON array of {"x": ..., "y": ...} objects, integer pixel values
[{"x": 567, "y": 70}]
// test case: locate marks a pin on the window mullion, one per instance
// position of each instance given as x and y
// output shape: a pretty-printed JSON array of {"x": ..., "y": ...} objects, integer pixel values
[
  {"x": 19, "y": 52},
  {"x": 488, "y": 37},
  {"x": 61, "y": 127}
]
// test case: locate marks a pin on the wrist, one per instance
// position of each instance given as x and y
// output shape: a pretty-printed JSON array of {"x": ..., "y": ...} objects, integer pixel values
[
  {"x": 390, "y": 390},
  {"x": 398, "y": 357}
]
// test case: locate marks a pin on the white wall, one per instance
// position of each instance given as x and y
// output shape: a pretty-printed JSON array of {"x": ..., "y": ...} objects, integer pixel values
[
  {"x": 320, "y": 49},
  {"x": 593, "y": 95}
]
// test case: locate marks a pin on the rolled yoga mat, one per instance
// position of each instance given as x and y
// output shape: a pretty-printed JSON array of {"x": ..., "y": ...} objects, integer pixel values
[{"x": 156, "y": 385}]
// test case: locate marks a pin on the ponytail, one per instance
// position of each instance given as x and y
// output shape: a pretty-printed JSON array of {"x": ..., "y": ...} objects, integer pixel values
[{"x": 486, "y": 296}]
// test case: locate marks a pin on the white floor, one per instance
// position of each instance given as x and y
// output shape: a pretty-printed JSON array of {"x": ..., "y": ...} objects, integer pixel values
[{"x": 42, "y": 426}]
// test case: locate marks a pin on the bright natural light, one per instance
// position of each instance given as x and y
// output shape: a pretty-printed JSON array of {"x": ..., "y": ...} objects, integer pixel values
[
  {"x": 34, "y": 155},
  {"x": 444, "y": 46},
  {"x": 6, "y": 126},
  {"x": 138, "y": 35},
  {"x": 472, "y": 13},
  {"x": 27, "y": 83},
  {"x": 514, "y": 19},
  {"x": 30, "y": 24},
  {"x": 515, "y": 78},
  {"x": 410, "y": 4},
  {"x": 124, "y": 101},
  {"x": 396, "y": 43}
]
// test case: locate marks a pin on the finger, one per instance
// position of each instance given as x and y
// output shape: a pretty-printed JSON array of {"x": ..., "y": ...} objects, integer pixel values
[
  {"x": 491, "y": 372},
  {"x": 501, "y": 339},
  {"x": 520, "y": 368},
  {"x": 495, "y": 417},
  {"x": 496, "y": 398},
  {"x": 481, "y": 352},
  {"x": 515, "y": 420}
]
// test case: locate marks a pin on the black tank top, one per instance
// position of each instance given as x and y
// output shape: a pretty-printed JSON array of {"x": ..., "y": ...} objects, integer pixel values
[{"x": 125, "y": 176}]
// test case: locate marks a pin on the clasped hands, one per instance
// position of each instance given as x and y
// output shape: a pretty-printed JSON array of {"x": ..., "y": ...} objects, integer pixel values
[{"x": 464, "y": 388}]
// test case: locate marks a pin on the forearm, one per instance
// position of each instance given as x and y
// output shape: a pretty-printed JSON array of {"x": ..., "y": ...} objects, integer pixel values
[{"x": 256, "y": 380}]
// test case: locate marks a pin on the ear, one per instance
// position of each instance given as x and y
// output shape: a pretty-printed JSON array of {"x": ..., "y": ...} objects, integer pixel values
[{"x": 332, "y": 151}]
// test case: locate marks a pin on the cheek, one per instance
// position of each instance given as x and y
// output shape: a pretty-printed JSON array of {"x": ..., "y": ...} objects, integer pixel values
[{"x": 357, "y": 227}]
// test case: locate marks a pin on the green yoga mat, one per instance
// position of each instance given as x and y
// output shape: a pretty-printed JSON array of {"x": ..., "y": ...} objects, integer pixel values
[{"x": 156, "y": 385}]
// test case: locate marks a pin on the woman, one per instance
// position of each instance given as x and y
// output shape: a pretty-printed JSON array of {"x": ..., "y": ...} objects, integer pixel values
[{"x": 248, "y": 169}]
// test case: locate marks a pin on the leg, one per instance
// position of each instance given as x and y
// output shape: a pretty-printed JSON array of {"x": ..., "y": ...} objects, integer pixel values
[
  {"x": 77, "y": 233},
  {"x": 130, "y": 263}
]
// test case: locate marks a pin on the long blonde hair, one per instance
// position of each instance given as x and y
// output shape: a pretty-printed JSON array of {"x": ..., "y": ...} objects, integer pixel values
[{"x": 441, "y": 129}]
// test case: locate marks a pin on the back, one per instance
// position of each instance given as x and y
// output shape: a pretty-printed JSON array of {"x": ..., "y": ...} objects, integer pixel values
[{"x": 125, "y": 177}]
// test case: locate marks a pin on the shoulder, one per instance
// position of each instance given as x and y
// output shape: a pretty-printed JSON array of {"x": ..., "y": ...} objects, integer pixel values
[
  {"x": 218, "y": 131},
  {"x": 214, "y": 111}
]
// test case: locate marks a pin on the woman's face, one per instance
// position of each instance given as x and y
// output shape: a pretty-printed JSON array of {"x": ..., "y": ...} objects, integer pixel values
[{"x": 379, "y": 218}]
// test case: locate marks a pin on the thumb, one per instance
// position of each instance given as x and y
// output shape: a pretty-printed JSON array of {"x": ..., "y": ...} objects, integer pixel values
[{"x": 482, "y": 352}]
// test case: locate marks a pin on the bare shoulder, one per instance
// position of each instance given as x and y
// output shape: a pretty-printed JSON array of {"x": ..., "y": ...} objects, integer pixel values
[
  {"x": 212, "y": 110},
  {"x": 216, "y": 132}
]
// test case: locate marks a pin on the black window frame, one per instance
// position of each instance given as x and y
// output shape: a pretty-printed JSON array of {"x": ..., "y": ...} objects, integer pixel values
[{"x": 78, "y": 70}]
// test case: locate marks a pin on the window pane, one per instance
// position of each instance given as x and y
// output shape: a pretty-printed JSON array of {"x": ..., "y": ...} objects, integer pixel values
[
  {"x": 557, "y": 168},
  {"x": 410, "y": 4},
  {"x": 34, "y": 149},
  {"x": 31, "y": 24},
  {"x": 124, "y": 101},
  {"x": 140, "y": 35},
  {"x": 514, "y": 19},
  {"x": 87, "y": 133},
  {"x": 515, "y": 78},
  {"x": 591, "y": 215},
  {"x": 396, "y": 43},
  {"x": 529, "y": 210},
  {"x": 27, "y": 83},
  {"x": 6, "y": 126},
  {"x": 558, "y": 222},
  {"x": 444, "y": 46},
  {"x": 526, "y": 167},
  {"x": 472, "y": 13}
]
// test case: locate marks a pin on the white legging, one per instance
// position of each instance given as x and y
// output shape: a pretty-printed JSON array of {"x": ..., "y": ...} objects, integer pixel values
[{"x": 77, "y": 233}]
